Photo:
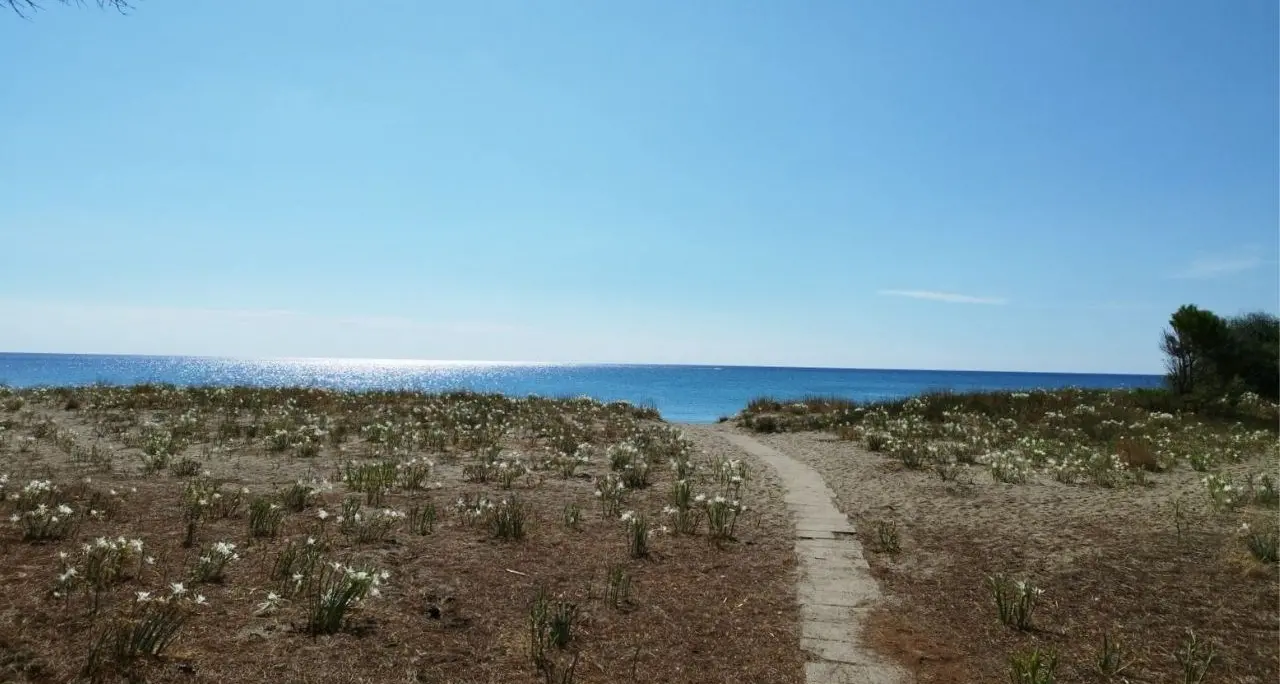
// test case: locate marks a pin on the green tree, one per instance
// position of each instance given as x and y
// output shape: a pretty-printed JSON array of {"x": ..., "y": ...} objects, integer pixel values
[
  {"x": 1254, "y": 356},
  {"x": 1196, "y": 346}
]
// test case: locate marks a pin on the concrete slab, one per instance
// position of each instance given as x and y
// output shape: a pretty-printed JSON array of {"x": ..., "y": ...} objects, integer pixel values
[{"x": 834, "y": 585}]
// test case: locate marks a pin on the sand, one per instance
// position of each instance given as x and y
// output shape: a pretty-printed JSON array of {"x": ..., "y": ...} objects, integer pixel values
[{"x": 1108, "y": 559}]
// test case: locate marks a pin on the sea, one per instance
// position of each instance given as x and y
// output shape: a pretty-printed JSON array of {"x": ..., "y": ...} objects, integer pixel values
[
  {"x": 687, "y": 394},
  {"x": 682, "y": 393}
]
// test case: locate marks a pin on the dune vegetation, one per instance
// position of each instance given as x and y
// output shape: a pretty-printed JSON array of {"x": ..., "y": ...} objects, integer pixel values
[
  {"x": 1071, "y": 536},
  {"x": 165, "y": 534}
]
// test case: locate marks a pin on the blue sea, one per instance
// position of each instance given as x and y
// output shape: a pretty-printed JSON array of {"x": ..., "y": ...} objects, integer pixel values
[{"x": 692, "y": 394}]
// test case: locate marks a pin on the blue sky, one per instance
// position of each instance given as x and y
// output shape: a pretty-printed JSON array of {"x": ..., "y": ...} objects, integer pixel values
[{"x": 943, "y": 184}]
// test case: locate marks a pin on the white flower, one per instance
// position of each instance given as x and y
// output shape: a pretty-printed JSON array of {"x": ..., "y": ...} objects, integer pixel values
[
  {"x": 200, "y": 600},
  {"x": 144, "y": 596},
  {"x": 322, "y": 514},
  {"x": 177, "y": 589}
]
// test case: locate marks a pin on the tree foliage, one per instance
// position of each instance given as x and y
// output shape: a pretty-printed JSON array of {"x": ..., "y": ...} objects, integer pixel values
[
  {"x": 24, "y": 8},
  {"x": 1209, "y": 356}
]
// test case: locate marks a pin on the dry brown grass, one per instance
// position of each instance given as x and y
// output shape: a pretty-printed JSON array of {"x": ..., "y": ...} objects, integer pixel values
[
  {"x": 455, "y": 608},
  {"x": 1137, "y": 453}
]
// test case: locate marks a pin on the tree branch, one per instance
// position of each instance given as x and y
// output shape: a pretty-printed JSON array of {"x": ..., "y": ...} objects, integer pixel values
[{"x": 25, "y": 8}]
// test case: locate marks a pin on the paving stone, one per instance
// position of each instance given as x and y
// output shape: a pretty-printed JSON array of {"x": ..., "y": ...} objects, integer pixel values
[{"x": 833, "y": 585}]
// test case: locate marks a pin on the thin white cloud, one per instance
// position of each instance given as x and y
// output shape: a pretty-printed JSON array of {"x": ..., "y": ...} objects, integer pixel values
[
  {"x": 949, "y": 297},
  {"x": 1220, "y": 265}
]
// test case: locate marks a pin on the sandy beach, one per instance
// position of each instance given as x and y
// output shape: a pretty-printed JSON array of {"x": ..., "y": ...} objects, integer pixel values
[
  {"x": 483, "y": 539},
  {"x": 1144, "y": 555}
]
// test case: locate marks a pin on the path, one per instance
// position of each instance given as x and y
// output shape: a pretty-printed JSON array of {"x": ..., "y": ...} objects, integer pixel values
[{"x": 836, "y": 588}]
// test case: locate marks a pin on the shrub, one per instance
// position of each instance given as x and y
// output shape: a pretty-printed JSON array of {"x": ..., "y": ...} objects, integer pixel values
[
  {"x": 265, "y": 518},
  {"x": 46, "y": 523},
  {"x": 1034, "y": 667},
  {"x": 1262, "y": 491},
  {"x": 371, "y": 479},
  {"x": 1015, "y": 600},
  {"x": 722, "y": 516},
  {"x": 186, "y": 467},
  {"x": 365, "y": 527},
  {"x": 1138, "y": 454},
  {"x": 1224, "y": 494},
  {"x": 550, "y": 626},
  {"x": 1263, "y": 541},
  {"x": 572, "y": 515},
  {"x": 295, "y": 563},
  {"x": 1111, "y": 660},
  {"x": 618, "y": 586},
  {"x": 148, "y": 629},
  {"x": 610, "y": 491},
  {"x": 422, "y": 519},
  {"x": 507, "y": 520},
  {"x": 1200, "y": 461},
  {"x": 333, "y": 590},
  {"x": 415, "y": 474},
  {"x": 911, "y": 456},
  {"x": 1009, "y": 467},
  {"x": 637, "y": 534},
  {"x": 685, "y": 518},
  {"x": 1195, "y": 657},
  {"x": 211, "y": 564},
  {"x": 298, "y": 497},
  {"x": 887, "y": 540}
]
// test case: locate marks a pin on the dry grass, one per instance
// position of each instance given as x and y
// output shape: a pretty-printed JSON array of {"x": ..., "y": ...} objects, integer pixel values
[
  {"x": 1138, "y": 551},
  {"x": 455, "y": 605}
]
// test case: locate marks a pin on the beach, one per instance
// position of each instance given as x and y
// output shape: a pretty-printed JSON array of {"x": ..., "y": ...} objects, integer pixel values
[
  {"x": 320, "y": 535},
  {"x": 285, "y": 483}
]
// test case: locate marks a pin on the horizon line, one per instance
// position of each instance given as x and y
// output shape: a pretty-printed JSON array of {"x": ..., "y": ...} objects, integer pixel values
[{"x": 456, "y": 362}]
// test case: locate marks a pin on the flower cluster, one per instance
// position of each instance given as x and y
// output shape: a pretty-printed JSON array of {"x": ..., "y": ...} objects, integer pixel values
[
  {"x": 45, "y": 522},
  {"x": 472, "y": 511},
  {"x": 210, "y": 565},
  {"x": 1224, "y": 494}
]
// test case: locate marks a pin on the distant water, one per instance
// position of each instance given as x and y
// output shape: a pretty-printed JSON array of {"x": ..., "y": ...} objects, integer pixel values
[{"x": 694, "y": 394}]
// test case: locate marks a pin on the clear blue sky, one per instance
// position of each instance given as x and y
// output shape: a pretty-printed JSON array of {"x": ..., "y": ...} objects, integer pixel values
[{"x": 933, "y": 184}]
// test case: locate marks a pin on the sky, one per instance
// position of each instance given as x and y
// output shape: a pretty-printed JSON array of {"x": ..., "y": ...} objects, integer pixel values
[{"x": 989, "y": 185}]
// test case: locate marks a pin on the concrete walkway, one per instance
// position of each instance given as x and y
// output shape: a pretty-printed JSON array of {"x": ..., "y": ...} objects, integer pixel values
[{"x": 835, "y": 585}]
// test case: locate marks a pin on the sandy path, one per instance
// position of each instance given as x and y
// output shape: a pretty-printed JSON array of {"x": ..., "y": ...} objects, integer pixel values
[{"x": 835, "y": 589}]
